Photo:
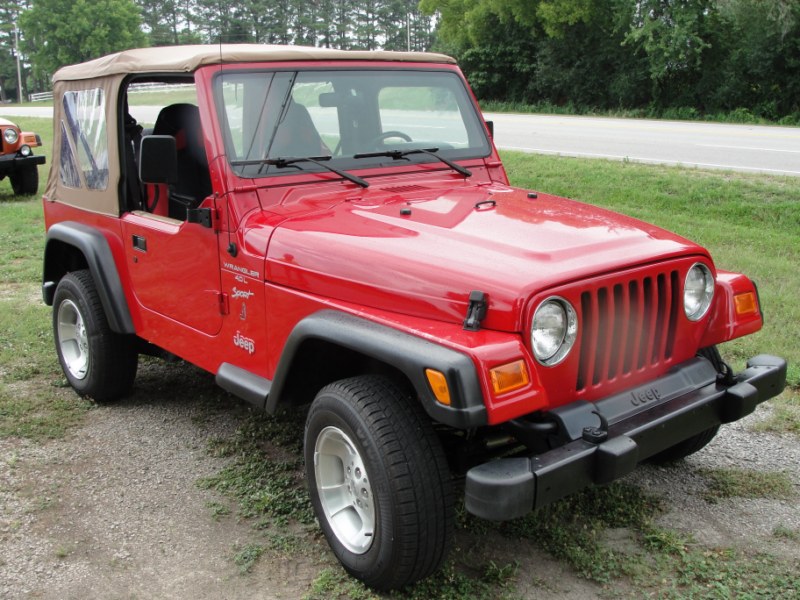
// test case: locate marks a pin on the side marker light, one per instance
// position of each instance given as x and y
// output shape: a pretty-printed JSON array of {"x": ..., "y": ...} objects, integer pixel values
[
  {"x": 509, "y": 377},
  {"x": 438, "y": 383},
  {"x": 745, "y": 303}
]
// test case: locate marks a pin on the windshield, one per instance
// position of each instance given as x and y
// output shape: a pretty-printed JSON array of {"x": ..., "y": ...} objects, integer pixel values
[{"x": 341, "y": 114}]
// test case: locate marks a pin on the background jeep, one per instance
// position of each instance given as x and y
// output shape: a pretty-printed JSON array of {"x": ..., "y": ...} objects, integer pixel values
[
  {"x": 17, "y": 161},
  {"x": 334, "y": 232}
]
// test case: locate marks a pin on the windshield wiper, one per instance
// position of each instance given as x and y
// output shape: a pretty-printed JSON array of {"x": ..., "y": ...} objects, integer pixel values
[
  {"x": 290, "y": 161},
  {"x": 398, "y": 154}
]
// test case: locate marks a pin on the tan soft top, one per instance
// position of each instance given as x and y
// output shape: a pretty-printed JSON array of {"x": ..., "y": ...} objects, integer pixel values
[{"x": 184, "y": 59}]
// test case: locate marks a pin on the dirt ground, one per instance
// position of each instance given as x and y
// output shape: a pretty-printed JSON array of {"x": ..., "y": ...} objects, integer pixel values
[{"x": 114, "y": 509}]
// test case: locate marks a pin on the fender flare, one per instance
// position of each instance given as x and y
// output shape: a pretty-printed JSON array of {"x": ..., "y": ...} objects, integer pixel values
[
  {"x": 100, "y": 261},
  {"x": 410, "y": 354}
]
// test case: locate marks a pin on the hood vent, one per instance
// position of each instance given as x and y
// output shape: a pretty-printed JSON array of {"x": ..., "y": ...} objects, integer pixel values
[{"x": 404, "y": 189}]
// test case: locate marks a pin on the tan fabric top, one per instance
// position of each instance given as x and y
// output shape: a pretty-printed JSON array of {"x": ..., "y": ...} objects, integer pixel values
[{"x": 184, "y": 59}]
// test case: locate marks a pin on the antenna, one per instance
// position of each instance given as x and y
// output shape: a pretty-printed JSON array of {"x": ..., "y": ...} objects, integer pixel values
[{"x": 232, "y": 248}]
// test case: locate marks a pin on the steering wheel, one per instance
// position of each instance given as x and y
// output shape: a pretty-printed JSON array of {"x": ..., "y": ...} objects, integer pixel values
[{"x": 389, "y": 134}]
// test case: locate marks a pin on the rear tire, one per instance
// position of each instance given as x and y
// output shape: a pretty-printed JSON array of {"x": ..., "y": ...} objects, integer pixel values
[
  {"x": 378, "y": 481},
  {"x": 686, "y": 447},
  {"x": 97, "y": 362},
  {"x": 25, "y": 182}
]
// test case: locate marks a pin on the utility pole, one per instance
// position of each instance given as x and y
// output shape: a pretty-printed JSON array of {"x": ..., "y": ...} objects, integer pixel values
[{"x": 19, "y": 70}]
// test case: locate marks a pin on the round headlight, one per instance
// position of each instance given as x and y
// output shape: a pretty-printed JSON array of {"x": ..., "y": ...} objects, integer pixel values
[
  {"x": 698, "y": 290},
  {"x": 10, "y": 135},
  {"x": 25, "y": 150},
  {"x": 553, "y": 331}
]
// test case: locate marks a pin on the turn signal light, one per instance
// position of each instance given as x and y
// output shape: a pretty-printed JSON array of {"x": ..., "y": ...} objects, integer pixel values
[
  {"x": 438, "y": 383},
  {"x": 745, "y": 303},
  {"x": 507, "y": 378}
]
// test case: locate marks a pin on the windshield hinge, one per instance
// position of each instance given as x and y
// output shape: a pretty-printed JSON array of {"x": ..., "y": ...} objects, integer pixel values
[
  {"x": 224, "y": 306},
  {"x": 476, "y": 311},
  {"x": 202, "y": 216}
]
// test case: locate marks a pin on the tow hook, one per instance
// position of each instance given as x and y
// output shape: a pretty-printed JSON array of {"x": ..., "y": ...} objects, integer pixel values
[{"x": 596, "y": 435}]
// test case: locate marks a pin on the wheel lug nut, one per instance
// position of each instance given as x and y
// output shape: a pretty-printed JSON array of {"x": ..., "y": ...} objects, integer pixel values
[{"x": 358, "y": 472}]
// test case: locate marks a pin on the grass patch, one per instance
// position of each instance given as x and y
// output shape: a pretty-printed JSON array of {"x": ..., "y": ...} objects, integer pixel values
[
  {"x": 447, "y": 584},
  {"x": 743, "y": 483},
  {"x": 677, "y": 568},
  {"x": 39, "y": 416},
  {"x": 218, "y": 510},
  {"x": 749, "y": 223},
  {"x": 785, "y": 417},
  {"x": 246, "y": 557},
  {"x": 574, "y": 528},
  {"x": 786, "y": 533},
  {"x": 266, "y": 477}
]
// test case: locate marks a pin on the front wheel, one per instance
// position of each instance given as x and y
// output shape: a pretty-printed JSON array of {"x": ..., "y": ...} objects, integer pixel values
[
  {"x": 686, "y": 447},
  {"x": 378, "y": 481},
  {"x": 25, "y": 182},
  {"x": 97, "y": 362}
]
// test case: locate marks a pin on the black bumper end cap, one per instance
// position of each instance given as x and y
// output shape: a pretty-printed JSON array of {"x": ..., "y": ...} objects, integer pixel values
[
  {"x": 500, "y": 490},
  {"x": 766, "y": 376},
  {"x": 615, "y": 458}
]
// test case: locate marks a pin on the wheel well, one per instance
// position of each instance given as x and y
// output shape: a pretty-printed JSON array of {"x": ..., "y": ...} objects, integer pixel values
[
  {"x": 60, "y": 258},
  {"x": 320, "y": 362}
]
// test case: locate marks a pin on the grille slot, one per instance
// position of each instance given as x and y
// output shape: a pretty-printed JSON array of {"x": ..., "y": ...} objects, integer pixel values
[{"x": 627, "y": 327}]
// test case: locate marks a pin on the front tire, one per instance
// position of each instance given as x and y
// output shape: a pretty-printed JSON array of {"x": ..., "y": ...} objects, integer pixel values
[
  {"x": 97, "y": 362},
  {"x": 378, "y": 481},
  {"x": 685, "y": 448},
  {"x": 25, "y": 182}
]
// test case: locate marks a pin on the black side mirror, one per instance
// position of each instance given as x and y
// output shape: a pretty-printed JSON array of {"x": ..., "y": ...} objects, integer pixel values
[
  {"x": 158, "y": 159},
  {"x": 490, "y": 127}
]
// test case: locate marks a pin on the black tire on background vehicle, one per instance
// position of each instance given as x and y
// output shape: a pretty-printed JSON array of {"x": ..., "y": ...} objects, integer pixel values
[
  {"x": 97, "y": 362},
  {"x": 379, "y": 481},
  {"x": 686, "y": 447},
  {"x": 25, "y": 182}
]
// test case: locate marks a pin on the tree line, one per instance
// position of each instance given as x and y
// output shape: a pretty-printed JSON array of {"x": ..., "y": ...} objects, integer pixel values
[
  {"x": 684, "y": 58},
  {"x": 53, "y": 33}
]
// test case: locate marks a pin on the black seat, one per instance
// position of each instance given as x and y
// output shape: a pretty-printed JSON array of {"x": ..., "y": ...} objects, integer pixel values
[{"x": 182, "y": 121}]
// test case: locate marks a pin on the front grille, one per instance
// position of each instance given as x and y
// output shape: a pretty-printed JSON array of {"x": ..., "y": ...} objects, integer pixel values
[{"x": 627, "y": 326}]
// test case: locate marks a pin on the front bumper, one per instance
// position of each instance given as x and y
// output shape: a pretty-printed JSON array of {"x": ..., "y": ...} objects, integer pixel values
[
  {"x": 13, "y": 163},
  {"x": 641, "y": 423}
]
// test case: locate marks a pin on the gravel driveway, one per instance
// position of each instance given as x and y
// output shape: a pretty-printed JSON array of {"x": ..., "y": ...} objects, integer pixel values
[{"x": 114, "y": 511}]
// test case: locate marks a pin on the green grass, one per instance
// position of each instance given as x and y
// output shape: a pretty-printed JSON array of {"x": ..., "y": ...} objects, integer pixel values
[
  {"x": 782, "y": 532},
  {"x": 266, "y": 475},
  {"x": 785, "y": 416},
  {"x": 744, "y": 483},
  {"x": 246, "y": 557},
  {"x": 494, "y": 583},
  {"x": 750, "y": 224}
]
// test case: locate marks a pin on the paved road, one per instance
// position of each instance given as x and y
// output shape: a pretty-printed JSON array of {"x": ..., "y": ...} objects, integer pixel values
[
  {"x": 752, "y": 148},
  {"x": 707, "y": 145}
]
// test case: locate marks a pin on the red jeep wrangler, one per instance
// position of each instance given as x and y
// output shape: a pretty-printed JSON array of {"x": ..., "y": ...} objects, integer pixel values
[
  {"x": 17, "y": 161},
  {"x": 336, "y": 229}
]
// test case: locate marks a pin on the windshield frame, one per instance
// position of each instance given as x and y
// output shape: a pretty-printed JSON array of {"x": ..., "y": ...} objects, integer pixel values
[{"x": 478, "y": 145}]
